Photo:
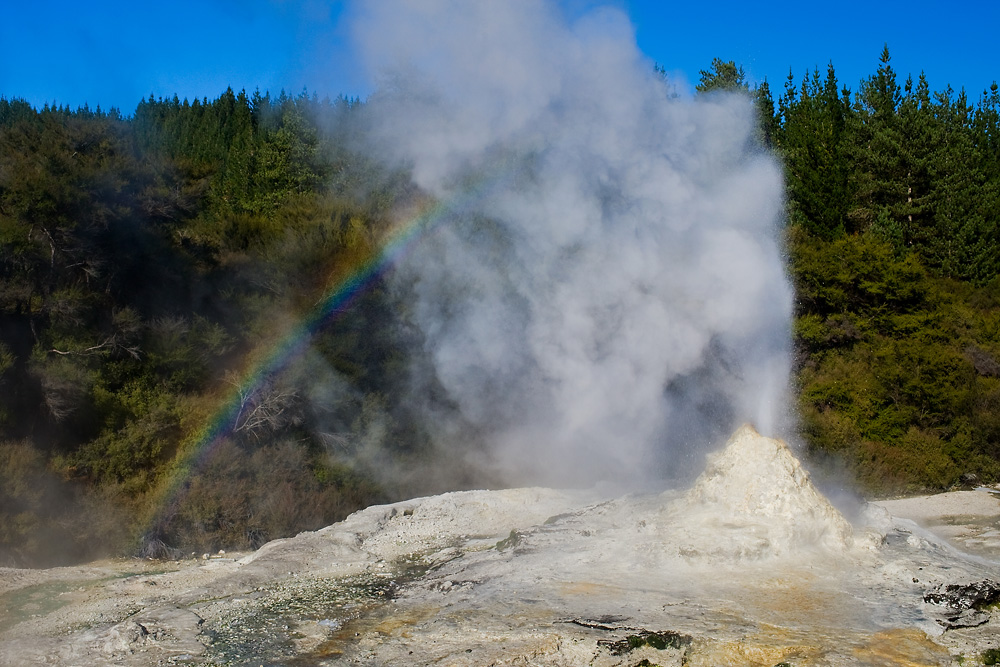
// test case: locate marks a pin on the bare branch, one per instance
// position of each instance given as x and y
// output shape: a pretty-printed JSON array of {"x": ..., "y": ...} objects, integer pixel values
[
  {"x": 263, "y": 408},
  {"x": 110, "y": 343}
]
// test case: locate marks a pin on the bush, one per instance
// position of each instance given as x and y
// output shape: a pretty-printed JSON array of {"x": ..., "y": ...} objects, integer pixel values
[
  {"x": 894, "y": 369},
  {"x": 241, "y": 497}
]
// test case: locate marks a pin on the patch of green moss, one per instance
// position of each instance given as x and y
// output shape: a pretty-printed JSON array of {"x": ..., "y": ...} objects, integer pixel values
[
  {"x": 510, "y": 541},
  {"x": 658, "y": 640}
]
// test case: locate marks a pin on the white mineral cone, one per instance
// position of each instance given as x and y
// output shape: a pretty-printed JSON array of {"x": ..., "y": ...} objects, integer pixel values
[{"x": 755, "y": 501}]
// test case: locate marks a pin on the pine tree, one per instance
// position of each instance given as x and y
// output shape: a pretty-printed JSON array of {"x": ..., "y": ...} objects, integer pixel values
[
  {"x": 917, "y": 122},
  {"x": 812, "y": 143},
  {"x": 235, "y": 179},
  {"x": 767, "y": 120},
  {"x": 724, "y": 76},
  {"x": 878, "y": 178},
  {"x": 986, "y": 139},
  {"x": 960, "y": 241}
]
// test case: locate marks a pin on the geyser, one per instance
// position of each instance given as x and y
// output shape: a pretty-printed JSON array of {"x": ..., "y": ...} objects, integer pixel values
[{"x": 616, "y": 299}]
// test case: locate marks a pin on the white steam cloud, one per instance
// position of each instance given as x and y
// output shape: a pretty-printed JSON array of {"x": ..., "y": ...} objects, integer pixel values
[{"x": 615, "y": 298}]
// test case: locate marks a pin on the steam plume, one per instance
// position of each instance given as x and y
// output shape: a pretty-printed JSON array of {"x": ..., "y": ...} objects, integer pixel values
[{"x": 617, "y": 299}]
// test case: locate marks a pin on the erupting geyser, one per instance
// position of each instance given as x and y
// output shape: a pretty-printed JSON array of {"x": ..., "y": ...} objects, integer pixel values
[
  {"x": 615, "y": 300},
  {"x": 603, "y": 298}
]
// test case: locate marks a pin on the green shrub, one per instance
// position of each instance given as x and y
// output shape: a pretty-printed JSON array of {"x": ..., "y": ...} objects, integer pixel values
[{"x": 241, "y": 498}]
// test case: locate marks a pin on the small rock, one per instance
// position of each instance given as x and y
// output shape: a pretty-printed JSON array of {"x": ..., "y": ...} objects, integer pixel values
[
  {"x": 965, "y": 602},
  {"x": 125, "y": 637},
  {"x": 976, "y": 595},
  {"x": 969, "y": 479}
]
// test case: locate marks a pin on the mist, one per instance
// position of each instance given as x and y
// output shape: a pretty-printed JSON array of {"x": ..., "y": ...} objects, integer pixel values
[{"x": 610, "y": 299}]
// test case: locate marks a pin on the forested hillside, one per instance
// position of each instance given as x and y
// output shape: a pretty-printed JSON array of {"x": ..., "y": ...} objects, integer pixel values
[
  {"x": 894, "y": 243},
  {"x": 149, "y": 262}
]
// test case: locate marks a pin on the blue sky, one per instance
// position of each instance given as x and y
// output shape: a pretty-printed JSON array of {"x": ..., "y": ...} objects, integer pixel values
[{"x": 114, "y": 52}]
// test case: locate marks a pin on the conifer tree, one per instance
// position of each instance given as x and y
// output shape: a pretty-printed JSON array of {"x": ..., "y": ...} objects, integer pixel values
[
  {"x": 767, "y": 120},
  {"x": 724, "y": 75},
  {"x": 235, "y": 179},
  {"x": 917, "y": 122},
  {"x": 878, "y": 177},
  {"x": 812, "y": 143},
  {"x": 958, "y": 241},
  {"x": 986, "y": 139}
]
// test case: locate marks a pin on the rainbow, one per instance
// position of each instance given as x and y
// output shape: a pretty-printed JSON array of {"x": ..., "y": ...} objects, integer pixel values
[{"x": 401, "y": 239}]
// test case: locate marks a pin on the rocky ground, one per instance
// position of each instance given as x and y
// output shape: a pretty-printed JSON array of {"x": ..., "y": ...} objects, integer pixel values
[{"x": 751, "y": 566}]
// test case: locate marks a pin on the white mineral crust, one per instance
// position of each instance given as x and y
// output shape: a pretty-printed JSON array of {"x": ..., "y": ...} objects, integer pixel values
[{"x": 750, "y": 566}]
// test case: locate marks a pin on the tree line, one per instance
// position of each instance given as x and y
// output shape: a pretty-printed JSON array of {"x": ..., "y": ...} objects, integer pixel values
[{"x": 146, "y": 262}]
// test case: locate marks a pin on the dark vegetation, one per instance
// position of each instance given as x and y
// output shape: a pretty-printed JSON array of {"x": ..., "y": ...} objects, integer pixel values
[
  {"x": 894, "y": 248},
  {"x": 149, "y": 263},
  {"x": 894, "y": 242},
  {"x": 658, "y": 640}
]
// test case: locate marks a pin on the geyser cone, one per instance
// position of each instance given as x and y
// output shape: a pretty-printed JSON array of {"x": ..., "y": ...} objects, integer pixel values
[{"x": 754, "y": 500}]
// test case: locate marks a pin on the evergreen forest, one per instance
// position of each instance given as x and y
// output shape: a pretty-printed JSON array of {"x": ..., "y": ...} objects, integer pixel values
[{"x": 149, "y": 262}]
